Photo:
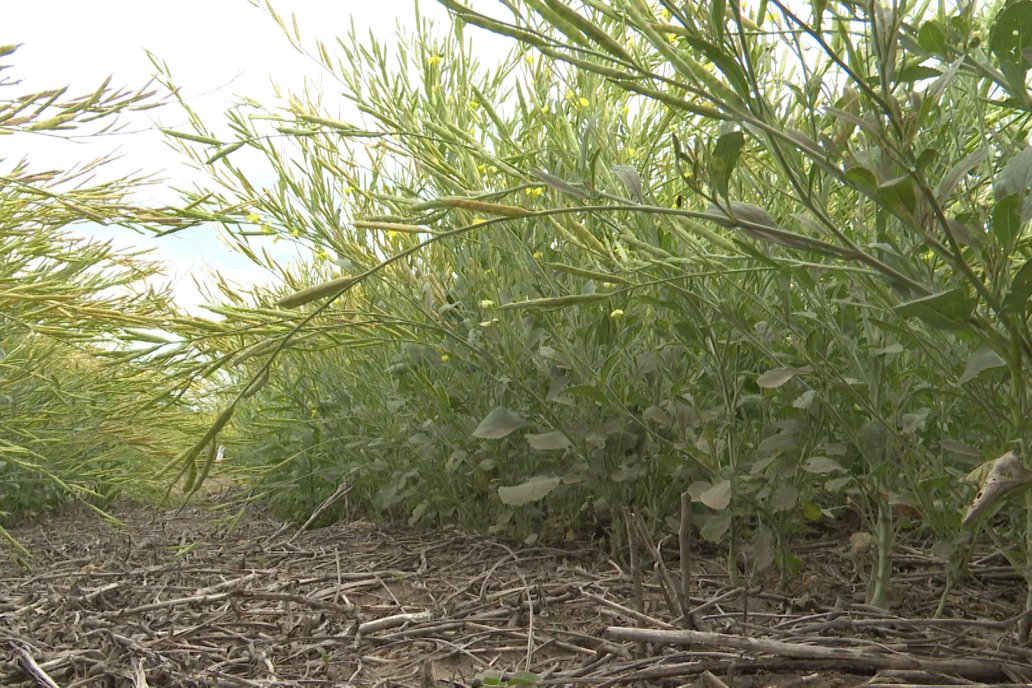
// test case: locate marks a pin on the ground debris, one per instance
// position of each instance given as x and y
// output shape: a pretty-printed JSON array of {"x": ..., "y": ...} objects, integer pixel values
[{"x": 179, "y": 598}]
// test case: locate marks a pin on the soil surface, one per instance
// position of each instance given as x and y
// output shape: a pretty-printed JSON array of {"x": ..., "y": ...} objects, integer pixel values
[{"x": 189, "y": 597}]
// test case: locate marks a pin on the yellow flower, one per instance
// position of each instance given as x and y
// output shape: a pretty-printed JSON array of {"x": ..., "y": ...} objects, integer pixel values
[
  {"x": 314, "y": 412},
  {"x": 538, "y": 255},
  {"x": 444, "y": 358},
  {"x": 632, "y": 151},
  {"x": 529, "y": 58},
  {"x": 322, "y": 255},
  {"x": 433, "y": 60},
  {"x": 535, "y": 191},
  {"x": 295, "y": 232},
  {"x": 617, "y": 314},
  {"x": 253, "y": 218},
  {"x": 583, "y": 102},
  {"x": 487, "y": 303}
]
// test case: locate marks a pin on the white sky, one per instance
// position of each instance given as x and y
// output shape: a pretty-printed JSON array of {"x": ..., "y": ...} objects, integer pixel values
[{"x": 216, "y": 49}]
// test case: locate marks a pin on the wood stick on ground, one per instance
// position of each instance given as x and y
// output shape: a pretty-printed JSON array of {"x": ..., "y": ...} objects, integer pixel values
[
  {"x": 975, "y": 669},
  {"x": 684, "y": 545},
  {"x": 632, "y": 547}
]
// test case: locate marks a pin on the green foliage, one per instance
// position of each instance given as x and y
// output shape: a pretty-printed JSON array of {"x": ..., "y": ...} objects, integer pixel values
[
  {"x": 775, "y": 260},
  {"x": 86, "y": 377}
]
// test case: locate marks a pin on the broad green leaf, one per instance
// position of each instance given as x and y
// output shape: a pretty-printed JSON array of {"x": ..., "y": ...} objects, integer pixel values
[
  {"x": 629, "y": 177},
  {"x": 772, "y": 379},
  {"x": 1007, "y": 221},
  {"x": 784, "y": 498},
  {"x": 587, "y": 391},
  {"x": 898, "y": 195},
  {"x": 805, "y": 400},
  {"x": 530, "y": 491},
  {"x": 715, "y": 526},
  {"x": 984, "y": 358},
  {"x": 548, "y": 441},
  {"x": 889, "y": 350},
  {"x": 946, "y": 310},
  {"x": 763, "y": 549},
  {"x": 1020, "y": 290},
  {"x": 1011, "y": 33},
  {"x": 914, "y": 422},
  {"x": 499, "y": 423},
  {"x": 916, "y": 72},
  {"x": 1016, "y": 175},
  {"x": 718, "y": 496},
  {"x": 821, "y": 465},
  {"x": 872, "y": 439},
  {"x": 932, "y": 37},
  {"x": 950, "y": 180},
  {"x": 778, "y": 443},
  {"x": 863, "y": 179},
  {"x": 725, "y": 156}
]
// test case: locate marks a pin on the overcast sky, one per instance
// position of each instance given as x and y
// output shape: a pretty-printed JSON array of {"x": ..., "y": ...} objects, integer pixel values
[{"x": 217, "y": 50}]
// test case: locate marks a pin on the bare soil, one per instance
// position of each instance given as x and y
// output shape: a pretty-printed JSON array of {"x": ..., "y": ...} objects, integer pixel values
[{"x": 188, "y": 598}]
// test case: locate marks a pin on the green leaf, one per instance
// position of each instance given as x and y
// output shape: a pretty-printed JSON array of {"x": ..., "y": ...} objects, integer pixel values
[
  {"x": 772, "y": 379},
  {"x": 499, "y": 423},
  {"x": 947, "y": 310},
  {"x": 1016, "y": 175},
  {"x": 1020, "y": 290},
  {"x": 958, "y": 172},
  {"x": 629, "y": 177},
  {"x": 1012, "y": 32},
  {"x": 822, "y": 464},
  {"x": 725, "y": 156},
  {"x": 1007, "y": 222},
  {"x": 982, "y": 359},
  {"x": 587, "y": 391},
  {"x": 717, "y": 497},
  {"x": 777, "y": 443},
  {"x": 932, "y": 37},
  {"x": 549, "y": 441},
  {"x": 763, "y": 548},
  {"x": 898, "y": 195},
  {"x": 784, "y": 498},
  {"x": 530, "y": 491},
  {"x": 872, "y": 439},
  {"x": 863, "y": 179},
  {"x": 715, "y": 527},
  {"x": 916, "y": 72},
  {"x": 805, "y": 400}
]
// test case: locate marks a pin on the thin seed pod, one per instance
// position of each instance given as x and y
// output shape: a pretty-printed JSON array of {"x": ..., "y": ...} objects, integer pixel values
[
  {"x": 299, "y": 298},
  {"x": 554, "y": 302},
  {"x": 589, "y": 274},
  {"x": 196, "y": 138},
  {"x": 393, "y": 227}
]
